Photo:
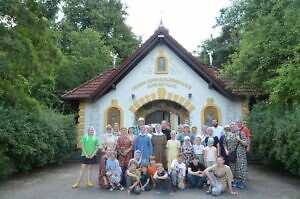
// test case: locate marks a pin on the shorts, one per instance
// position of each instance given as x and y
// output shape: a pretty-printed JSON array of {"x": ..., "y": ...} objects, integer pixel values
[{"x": 85, "y": 160}]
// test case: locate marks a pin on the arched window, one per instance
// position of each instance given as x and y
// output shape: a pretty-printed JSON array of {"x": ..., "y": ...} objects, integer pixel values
[
  {"x": 210, "y": 113},
  {"x": 161, "y": 65},
  {"x": 113, "y": 116}
]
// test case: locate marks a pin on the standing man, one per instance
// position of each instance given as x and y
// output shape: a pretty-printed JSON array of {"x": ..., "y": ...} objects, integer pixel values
[
  {"x": 140, "y": 122},
  {"x": 144, "y": 144},
  {"x": 164, "y": 128},
  {"x": 218, "y": 130},
  {"x": 246, "y": 131}
]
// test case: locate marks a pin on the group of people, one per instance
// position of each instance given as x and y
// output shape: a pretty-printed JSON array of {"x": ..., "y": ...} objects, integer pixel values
[{"x": 142, "y": 157}]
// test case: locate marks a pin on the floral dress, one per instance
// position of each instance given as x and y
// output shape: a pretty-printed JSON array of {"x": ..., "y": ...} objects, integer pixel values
[
  {"x": 187, "y": 152},
  {"x": 124, "y": 145},
  {"x": 239, "y": 167}
]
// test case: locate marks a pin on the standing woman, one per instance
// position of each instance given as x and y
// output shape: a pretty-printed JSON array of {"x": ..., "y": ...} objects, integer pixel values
[
  {"x": 159, "y": 142},
  {"x": 109, "y": 140},
  {"x": 173, "y": 147},
  {"x": 131, "y": 135},
  {"x": 124, "y": 148},
  {"x": 238, "y": 142},
  {"x": 187, "y": 150},
  {"x": 89, "y": 145}
]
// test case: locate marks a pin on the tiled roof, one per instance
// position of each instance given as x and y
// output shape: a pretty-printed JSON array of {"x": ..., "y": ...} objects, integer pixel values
[{"x": 104, "y": 82}]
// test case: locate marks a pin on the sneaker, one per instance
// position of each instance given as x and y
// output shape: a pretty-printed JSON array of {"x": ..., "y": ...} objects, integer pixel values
[
  {"x": 234, "y": 183},
  {"x": 209, "y": 190},
  {"x": 171, "y": 193},
  {"x": 75, "y": 186},
  {"x": 89, "y": 184},
  {"x": 111, "y": 189},
  {"x": 241, "y": 185},
  {"x": 158, "y": 192},
  {"x": 121, "y": 188}
]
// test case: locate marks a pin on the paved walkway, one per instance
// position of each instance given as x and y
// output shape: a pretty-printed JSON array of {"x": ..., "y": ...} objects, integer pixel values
[{"x": 55, "y": 183}]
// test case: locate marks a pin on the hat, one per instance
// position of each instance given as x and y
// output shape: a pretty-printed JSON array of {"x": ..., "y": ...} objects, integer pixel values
[
  {"x": 186, "y": 125},
  {"x": 141, "y": 118},
  {"x": 210, "y": 141},
  {"x": 186, "y": 138},
  {"x": 226, "y": 126}
]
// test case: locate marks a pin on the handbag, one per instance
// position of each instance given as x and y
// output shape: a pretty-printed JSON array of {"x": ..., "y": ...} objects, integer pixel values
[{"x": 232, "y": 155}]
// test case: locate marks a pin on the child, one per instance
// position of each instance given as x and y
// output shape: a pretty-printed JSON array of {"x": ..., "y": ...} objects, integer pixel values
[
  {"x": 89, "y": 145},
  {"x": 210, "y": 153},
  {"x": 103, "y": 181},
  {"x": 133, "y": 178},
  {"x": 198, "y": 149},
  {"x": 145, "y": 178},
  {"x": 162, "y": 179},
  {"x": 113, "y": 172},
  {"x": 177, "y": 172},
  {"x": 152, "y": 168}
]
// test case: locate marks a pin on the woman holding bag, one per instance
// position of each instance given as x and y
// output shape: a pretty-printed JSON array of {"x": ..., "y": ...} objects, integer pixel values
[{"x": 235, "y": 148}]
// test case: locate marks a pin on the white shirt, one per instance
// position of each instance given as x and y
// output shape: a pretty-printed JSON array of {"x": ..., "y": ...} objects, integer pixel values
[
  {"x": 218, "y": 131},
  {"x": 198, "y": 149},
  {"x": 211, "y": 153},
  {"x": 182, "y": 168}
]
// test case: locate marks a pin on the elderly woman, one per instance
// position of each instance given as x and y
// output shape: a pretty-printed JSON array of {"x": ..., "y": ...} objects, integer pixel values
[
  {"x": 237, "y": 143},
  {"x": 187, "y": 150},
  {"x": 109, "y": 140},
  {"x": 220, "y": 178}
]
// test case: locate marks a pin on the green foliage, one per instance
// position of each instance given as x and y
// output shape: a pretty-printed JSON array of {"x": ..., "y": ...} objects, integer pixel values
[
  {"x": 268, "y": 45},
  {"x": 28, "y": 54},
  {"x": 276, "y": 136},
  {"x": 106, "y": 17},
  {"x": 83, "y": 52},
  {"x": 29, "y": 139}
]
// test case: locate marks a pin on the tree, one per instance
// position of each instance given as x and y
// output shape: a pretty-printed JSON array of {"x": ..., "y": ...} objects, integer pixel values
[
  {"x": 86, "y": 55},
  {"x": 106, "y": 17},
  {"x": 268, "y": 50},
  {"x": 28, "y": 54}
]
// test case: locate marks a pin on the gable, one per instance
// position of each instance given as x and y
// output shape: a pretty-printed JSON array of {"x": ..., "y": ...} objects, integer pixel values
[{"x": 103, "y": 83}]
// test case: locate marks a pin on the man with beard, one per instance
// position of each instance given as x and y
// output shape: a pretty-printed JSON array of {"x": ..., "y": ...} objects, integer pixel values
[
  {"x": 218, "y": 130},
  {"x": 165, "y": 130}
]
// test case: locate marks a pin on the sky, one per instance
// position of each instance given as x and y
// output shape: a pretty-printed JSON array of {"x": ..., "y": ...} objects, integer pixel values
[{"x": 190, "y": 22}]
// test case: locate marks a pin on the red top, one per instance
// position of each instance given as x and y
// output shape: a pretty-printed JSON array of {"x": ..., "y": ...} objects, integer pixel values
[{"x": 246, "y": 131}]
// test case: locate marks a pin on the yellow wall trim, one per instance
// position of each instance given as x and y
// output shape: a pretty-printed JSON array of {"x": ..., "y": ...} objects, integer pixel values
[
  {"x": 161, "y": 94},
  {"x": 81, "y": 120}
]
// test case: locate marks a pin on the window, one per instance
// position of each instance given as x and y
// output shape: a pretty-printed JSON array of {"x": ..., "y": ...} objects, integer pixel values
[
  {"x": 113, "y": 116},
  {"x": 210, "y": 113},
  {"x": 161, "y": 65}
]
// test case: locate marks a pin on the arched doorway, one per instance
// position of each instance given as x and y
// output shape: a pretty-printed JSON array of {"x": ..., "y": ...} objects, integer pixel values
[{"x": 156, "y": 111}]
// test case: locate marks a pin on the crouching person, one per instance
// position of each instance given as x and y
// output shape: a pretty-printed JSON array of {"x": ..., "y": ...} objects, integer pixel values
[
  {"x": 220, "y": 177},
  {"x": 178, "y": 171},
  {"x": 195, "y": 176},
  {"x": 113, "y": 172},
  {"x": 162, "y": 179},
  {"x": 145, "y": 181},
  {"x": 133, "y": 177}
]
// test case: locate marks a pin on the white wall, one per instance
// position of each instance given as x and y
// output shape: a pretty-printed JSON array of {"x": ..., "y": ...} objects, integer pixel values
[{"x": 146, "y": 70}]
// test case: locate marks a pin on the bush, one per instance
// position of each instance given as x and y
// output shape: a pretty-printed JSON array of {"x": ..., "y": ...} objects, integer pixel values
[
  {"x": 30, "y": 139},
  {"x": 276, "y": 136}
]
